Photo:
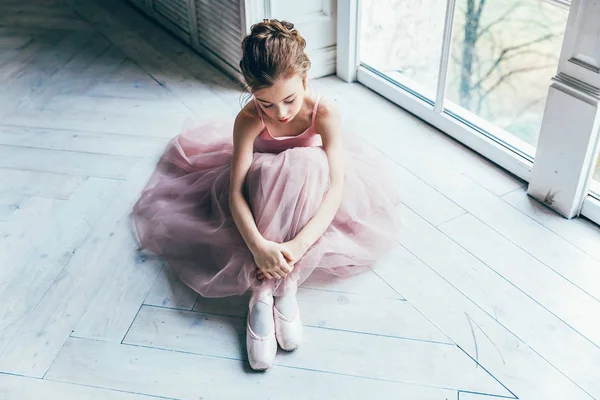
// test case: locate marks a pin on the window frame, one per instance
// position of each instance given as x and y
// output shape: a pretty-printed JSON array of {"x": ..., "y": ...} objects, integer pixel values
[{"x": 488, "y": 145}]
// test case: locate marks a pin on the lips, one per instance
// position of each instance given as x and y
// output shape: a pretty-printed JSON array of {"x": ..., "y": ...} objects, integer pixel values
[{"x": 284, "y": 120}]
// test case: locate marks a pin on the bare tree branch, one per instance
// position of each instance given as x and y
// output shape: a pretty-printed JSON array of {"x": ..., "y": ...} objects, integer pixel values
[
  {"x": 487, "y": 64},
  {"x": 509, "y": 74},
  {"x": 503, "y": 56},
  {"x": 478, "y": 14},
  {"x": 530, "y": 52},
  {"x": 498, "y": 20}
]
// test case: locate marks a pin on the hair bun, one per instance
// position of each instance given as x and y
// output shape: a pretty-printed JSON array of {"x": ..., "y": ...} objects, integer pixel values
[
  {"x": 288, "y": 26},
  {"x": 273, "y": 28},
  {"x": 272, "y": 49}
]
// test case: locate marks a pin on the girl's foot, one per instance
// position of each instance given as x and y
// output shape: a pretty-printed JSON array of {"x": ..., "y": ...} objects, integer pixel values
[
  {"x": 260, "y": 331},
  {"x": 288, "y": 326}
]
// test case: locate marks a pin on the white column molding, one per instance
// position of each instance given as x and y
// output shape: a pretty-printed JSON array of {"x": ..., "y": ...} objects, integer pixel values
[
  {"x": 568, "y": 143},
  {"x": 347, "y": 40},
  {"x": 580, "y": 56}
]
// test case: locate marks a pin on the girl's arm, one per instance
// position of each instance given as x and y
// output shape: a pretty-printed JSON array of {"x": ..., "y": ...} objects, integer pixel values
[
  {"x": 269, "y": 256},
  {"x": 328, "y": 124},
  {"x": 243, "y": 140}
]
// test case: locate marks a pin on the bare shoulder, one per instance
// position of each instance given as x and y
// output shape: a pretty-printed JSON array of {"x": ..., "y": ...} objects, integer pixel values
[
  {"x": 328, "y": 116},
  {"x": 247, "y": 123}
]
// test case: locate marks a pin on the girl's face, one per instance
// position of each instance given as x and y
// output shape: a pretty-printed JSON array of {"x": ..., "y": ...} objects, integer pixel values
[{"x": 283, "y": 100}]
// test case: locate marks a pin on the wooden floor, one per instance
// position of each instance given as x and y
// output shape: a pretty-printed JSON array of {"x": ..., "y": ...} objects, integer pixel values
[{"x": 489, "y": 296}]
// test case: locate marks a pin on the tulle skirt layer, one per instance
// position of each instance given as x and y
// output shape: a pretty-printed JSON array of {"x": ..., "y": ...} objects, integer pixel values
[{"x": 183, "y": 213}]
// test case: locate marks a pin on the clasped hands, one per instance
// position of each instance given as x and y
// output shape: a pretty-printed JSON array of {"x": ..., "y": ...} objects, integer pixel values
[{"x": 276, "y": 261}]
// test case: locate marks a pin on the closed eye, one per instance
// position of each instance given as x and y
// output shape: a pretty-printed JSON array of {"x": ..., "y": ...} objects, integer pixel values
[{"x": 286, "y": 102}]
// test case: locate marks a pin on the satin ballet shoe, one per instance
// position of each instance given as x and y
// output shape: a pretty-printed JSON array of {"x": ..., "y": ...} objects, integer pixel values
[
  {"x": 261, "y": 349},
  {"x": 288, "y": 331}
]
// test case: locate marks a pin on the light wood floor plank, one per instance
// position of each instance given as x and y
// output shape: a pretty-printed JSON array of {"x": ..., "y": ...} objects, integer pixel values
[
  {"x": 189, "y": 376},
  {"x": 37, "y": 183},
  {"x": 9, "y": 203},
  {"x": 114, "y": 124},
  {"x": 87, "y": 142},
  {"x": 65, "y": 162},
  {"x": 370, "y": 356},
  {"x": 39, "y": 70},
  {"x": 116, "y": 304},
  {"x": 169, "y": 291},
  {"x": 16, "y": 234},
  {"x": 340, "y": 311},
  {"x": 559, "y": 296},
  {"x": 48, "y": 252},
  {"x": 129, "y": 81},
  {"x": 66, "y": 79},
  {"x": 102, "y": 255},
  {"x": 23, "y": 388},
  {"x": 580, "y": 232},
  {"x": 365, "y": 283},
  {"x": 12, "y": 63},
  {"x": 16, "y": 42},
  {"x": 131, "y": 108},
  {"x": 527, "y": 374},
  {"x": 505, "y": 303},
  {"x": 45, "y": 22}
]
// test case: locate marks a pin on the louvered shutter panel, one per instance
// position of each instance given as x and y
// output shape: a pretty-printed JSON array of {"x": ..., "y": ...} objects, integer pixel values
[
  {"x": 174, "y": 15},
  {"x": 220, "y": 28},
  {"x": 176, "y": 11}
]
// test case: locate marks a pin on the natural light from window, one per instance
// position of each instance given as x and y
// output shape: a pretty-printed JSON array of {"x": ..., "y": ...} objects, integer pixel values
[{"x": 503, "y": 56}]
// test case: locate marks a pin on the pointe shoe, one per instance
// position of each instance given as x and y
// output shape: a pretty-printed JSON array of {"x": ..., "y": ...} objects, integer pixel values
[
  {"x": 288, "y": 331},
  {"x": 261, "y": 349}
]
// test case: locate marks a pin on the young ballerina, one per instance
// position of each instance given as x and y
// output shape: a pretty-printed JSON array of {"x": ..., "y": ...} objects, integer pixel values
[{"x": 284, "y": 197}]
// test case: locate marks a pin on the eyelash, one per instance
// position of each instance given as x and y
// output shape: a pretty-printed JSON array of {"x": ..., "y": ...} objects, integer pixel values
[{"x": 286, "y": 102}]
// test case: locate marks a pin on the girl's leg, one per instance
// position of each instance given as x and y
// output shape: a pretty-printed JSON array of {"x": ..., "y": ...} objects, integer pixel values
[
  {"x": 288, "y": 325},
  {"x": 260, "y": 331}
]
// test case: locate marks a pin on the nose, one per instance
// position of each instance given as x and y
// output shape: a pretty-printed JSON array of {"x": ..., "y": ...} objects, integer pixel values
[{"x": 281, "y": 112}]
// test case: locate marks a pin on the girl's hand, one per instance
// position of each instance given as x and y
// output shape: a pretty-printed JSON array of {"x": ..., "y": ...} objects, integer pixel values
[
  {"x": 272, "y": 260},
  {"x": 295, "y": 251},
  {"x": 292, "y": 251}
]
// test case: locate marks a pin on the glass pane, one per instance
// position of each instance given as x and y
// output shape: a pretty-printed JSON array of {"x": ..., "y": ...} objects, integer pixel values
[
  {"x": 504, "y": 54},
  {"x": 403, "y": 40}
]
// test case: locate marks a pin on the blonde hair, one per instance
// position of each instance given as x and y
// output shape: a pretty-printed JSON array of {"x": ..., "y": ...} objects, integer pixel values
[{"x": 274, "y": 49}]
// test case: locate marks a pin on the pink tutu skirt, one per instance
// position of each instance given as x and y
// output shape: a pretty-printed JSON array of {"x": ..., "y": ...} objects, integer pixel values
[{"x": 183, "y": 213}]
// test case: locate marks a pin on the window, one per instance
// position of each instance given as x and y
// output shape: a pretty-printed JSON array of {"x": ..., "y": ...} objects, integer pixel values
[
  {"x": 496, "y": 80},
  {"x": 481, "y": 71},
  {"x": 403, "y": 40}
]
